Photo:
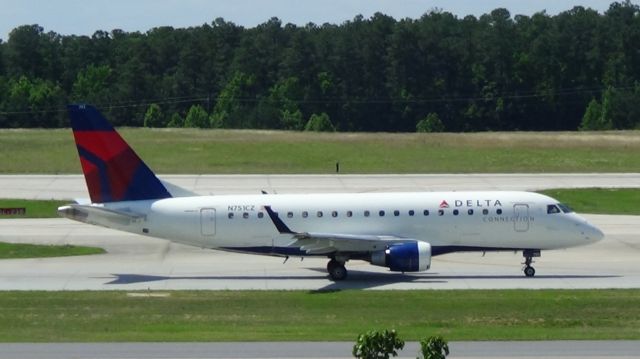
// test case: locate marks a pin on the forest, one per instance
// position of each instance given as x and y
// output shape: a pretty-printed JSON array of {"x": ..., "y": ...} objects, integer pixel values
[{"x": 577, "y": 70}]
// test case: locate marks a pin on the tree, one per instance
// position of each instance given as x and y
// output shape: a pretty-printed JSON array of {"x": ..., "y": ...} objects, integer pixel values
[
  {"x": 319, "y": 123},
  {"x": 431, "y": 123},
  {"x": 377, "y": 345},
  {"x": 154, "y": 117},
  {"x": 176, "y": 121},
  {"x": 434, "y": 348},
  {"x": 196, "y": 117},
  {"x": 593, "y": 119}
]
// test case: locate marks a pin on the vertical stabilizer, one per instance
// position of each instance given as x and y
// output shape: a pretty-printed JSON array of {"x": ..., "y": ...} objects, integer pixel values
[{"x": 113, "y": 171}]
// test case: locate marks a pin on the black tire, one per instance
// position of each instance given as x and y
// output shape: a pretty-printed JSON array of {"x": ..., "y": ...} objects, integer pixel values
[
  {"x": 337, "y": 270},
  {"x": 529, "y": 271}
]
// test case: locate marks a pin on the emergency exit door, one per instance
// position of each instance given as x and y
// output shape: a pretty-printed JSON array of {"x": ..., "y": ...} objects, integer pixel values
[
  {"x": 521, "y": 217},
  {"x": 208, "y": 221}
]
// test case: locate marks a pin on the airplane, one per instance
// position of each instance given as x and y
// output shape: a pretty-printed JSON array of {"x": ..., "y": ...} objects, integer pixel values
[{"x": 400, "y": 231}]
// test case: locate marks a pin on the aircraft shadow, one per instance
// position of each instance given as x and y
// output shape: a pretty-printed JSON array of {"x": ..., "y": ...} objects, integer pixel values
[{"x": 356, "y": 280}]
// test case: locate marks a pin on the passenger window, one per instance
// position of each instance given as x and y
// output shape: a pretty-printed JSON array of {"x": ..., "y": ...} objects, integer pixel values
[
  {"x": 440, "y": 212},
  {"x": 245, "y": 215},
  {"x": 334, "y": 214},
  {"x": 455, "y": 212},
  {"x": 426, "y": 212},
  {"x": 289, "y": 214},
  {"x": 366, "y": 213},
  {"x": 411, "y": 212},
  {"x": 470, "y": 212},
  {"x": 305, "y": 214},
  {"x": 230, "y": 215},
  {"x": 349, "y": 213},
  {"x": 485, "y": 211},
  {"x": 396, "y": 213},
  {"x": 319, "y": 214},
  {"x": 552, "y": 209},
  {"x": 260, "y": 214},
  {"x": 499, "y": 211},
  {"x": 381, "y": 213}
]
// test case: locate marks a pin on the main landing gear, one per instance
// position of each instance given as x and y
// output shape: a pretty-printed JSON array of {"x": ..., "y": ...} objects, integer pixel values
[
  {"x": 337, "y": 270},
  {"x": 528, "y": 255}
]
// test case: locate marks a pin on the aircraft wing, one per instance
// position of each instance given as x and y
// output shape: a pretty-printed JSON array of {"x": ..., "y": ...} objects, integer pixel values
[{"x": 325, "y": 243}]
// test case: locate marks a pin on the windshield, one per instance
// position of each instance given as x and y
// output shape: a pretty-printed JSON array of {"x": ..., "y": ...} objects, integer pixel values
[{"x": 565, "y": 208}]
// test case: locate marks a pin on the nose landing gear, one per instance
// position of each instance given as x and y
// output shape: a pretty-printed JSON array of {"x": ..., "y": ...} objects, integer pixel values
[{"x": 528, "y": 255}]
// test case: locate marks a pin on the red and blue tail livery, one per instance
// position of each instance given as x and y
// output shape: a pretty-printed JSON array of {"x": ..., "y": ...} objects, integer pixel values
[{"x": 113, "y": 171}]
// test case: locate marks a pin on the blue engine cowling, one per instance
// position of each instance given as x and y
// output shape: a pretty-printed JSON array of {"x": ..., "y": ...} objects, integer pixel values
[{"x": 404, "y": 257}]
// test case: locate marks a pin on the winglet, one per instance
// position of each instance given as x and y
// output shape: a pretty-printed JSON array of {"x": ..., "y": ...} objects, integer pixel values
[
  {"x": 113, "y": 171},
  {"x": 282, "y": 228}
]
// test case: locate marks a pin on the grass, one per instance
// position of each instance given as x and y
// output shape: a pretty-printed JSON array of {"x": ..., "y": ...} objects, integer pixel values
[
  {"x": 105, "y": 316},
  {"x": 34, "y": 208},
  {"x": 272, "y": 152},
  {"x": 599, "y": 200},
  {"x": 20, "y": 250}
]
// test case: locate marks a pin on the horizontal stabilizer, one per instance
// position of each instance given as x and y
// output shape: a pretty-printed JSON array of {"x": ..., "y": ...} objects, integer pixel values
[{"x": 98, "y": 215}]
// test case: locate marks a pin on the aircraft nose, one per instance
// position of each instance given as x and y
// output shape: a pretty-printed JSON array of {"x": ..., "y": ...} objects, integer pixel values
[{"x": 592, "y": 233}]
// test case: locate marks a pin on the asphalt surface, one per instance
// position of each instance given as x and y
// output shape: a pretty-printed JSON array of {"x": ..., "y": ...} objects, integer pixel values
[
  {"x": 134, "y": 263},
  {"x": 517, "y": 349},
  {"x": 73, "y": 186}
]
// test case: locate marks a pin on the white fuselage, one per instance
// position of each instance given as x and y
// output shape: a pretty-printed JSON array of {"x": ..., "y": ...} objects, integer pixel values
[{"x": 448, "y": 221}]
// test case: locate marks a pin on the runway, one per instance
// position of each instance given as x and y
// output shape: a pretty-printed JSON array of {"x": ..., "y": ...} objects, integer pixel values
[
  {"x": 138, "y": 263},
  {"x": 73, "y": 186},
  {"x": 134, "y": 262},
  {"x": 505, "y": 350}
]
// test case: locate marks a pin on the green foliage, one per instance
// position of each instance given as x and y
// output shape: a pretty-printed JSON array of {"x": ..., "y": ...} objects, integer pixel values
[
  {"x": 176, "y": 121},
  {"x": 92, "y": 85},
  {"x": 196, "y": 117},
  {"x": 431, "y": 123},
  {"x": 232, "y": 108},
  {"x": 496, "y": 72},
  {"x": 187, "y": 316},
  {"x": 593, "y": 119},
  {"x": 20, "y": 250},
  {"x": 154, "y": 116},
  {"x": 292, "y": 120},
  {"x": 434, "y": 347},
  {"x": 33, "y": 208},
  {"x": 599, "y": 200},
  {"x": 319, "y": 123},
  {"x": 377, "y": 345}
]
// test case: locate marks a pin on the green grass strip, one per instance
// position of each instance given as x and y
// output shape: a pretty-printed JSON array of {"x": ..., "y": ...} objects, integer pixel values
[
  {"x": 106, "y": 316},
  {"x": 599, "y": 200},
  {"x": 273, "y": 152},
  {"x": 34, "y": 208},
  {"x": 20, "y": 250}
]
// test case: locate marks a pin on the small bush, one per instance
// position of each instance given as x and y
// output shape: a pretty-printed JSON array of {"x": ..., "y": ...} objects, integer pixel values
[
  {"x": 431, "y": 123},
  {"x": 434, "y": 348},
  {"x": 377, "y": 345}
]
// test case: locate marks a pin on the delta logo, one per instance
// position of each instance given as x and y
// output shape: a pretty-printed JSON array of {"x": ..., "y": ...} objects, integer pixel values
[{"x": 444, "y": 204}]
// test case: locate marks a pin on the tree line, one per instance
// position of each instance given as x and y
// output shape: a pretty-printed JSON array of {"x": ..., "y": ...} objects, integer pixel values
[{"x": 578, "y": 69}]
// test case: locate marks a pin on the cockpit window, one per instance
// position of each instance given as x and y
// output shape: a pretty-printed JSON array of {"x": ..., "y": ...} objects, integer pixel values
[
  {"x": 552, "y": 208},
  {"x": 565, "y": 208}
]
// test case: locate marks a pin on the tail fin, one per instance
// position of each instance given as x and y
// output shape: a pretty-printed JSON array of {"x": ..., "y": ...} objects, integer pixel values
[{"x": 113, "y": 171}]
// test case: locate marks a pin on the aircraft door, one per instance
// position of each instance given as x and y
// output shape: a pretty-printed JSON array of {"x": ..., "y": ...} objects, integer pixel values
[
  {"x": 521, "y": 217},
  {"x": 208, "y": 221}
]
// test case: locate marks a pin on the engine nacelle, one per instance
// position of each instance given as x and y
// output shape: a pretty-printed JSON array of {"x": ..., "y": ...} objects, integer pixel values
[{"x": 404, "y": 257}]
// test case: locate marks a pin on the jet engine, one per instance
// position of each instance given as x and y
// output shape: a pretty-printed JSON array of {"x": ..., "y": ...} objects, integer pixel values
[{"x": 404, "y": 257}]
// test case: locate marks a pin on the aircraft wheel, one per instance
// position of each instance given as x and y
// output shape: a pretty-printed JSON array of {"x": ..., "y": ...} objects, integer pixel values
[
  {"x": 337, "y": 270},
  {"x": 529, "y": 271}
]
